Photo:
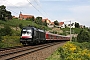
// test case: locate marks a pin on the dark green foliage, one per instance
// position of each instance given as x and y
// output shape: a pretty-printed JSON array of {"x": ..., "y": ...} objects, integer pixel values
[
  {"x": 44, "y": 23},
  {"x": 31, "y": 19},
  {"x": 77, "y": 25},
  {"x": 84, "y": 45},
  {"x": 6, "y": 31},
  {"x": 83, "y": 36},
  {"x": 88, "y": 29},
  {"x": 21, "y": 26},
  {"x": 56, "y": 22},
  {"x": 38, "y": 20},
  {"x": 4, "y": 14}
]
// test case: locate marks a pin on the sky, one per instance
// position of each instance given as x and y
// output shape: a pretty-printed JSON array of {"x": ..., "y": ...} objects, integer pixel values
[{"x": 60, "y": 10}]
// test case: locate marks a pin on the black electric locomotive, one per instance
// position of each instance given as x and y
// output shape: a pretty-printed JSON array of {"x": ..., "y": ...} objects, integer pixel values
[{"x": 32, "y": 35}]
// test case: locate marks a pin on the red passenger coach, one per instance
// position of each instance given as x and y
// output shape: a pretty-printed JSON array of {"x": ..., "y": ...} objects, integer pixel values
[{"x": 56, "y": 37}]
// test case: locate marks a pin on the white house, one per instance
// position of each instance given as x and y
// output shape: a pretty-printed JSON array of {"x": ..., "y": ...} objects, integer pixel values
[{"x": 72, "y": 25}]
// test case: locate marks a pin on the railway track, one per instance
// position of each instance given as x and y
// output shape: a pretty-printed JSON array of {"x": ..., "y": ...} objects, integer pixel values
[{"x": 13, "y": 53}]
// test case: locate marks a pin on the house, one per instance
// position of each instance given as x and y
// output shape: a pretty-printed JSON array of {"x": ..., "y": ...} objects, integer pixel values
[
  {"x": 72, "y": 25},
  {"x": 81, "y": 26},
  {"x": 61, "y": 25},
  {"x": 49, "y": 23},
  {"x": 24, "y": 17}
]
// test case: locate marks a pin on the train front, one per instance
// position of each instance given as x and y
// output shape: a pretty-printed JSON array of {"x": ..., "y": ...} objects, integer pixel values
[{"x": 26, "y": 36}]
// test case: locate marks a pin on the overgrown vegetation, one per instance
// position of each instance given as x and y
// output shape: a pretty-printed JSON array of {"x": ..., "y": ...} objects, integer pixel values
[
  {"x": 10, "y": 41},
  {"x": 6, "y": 31},
  {"x": 66, "y": 31},
  {"x": 83, "y": 36},
  {"x": 72, "y": 51}
]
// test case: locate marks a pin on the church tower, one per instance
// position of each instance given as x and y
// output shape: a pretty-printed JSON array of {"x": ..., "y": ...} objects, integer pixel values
[{"x": 20, "y": 15}]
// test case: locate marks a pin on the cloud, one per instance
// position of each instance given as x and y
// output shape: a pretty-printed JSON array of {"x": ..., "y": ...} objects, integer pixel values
[
  {"x": 58, "y": 0},
  {"x": 17, "y": 3}
]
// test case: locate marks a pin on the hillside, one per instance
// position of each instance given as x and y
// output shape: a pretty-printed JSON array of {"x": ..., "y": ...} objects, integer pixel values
[
  {"x": 16, "y": 24},
  {"x": 56, "y": 30},
  {"x": 21, "y": 23}
]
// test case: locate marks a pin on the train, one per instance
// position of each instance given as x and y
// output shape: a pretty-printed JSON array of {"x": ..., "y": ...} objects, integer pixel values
[{"x": 31, "y": 35}]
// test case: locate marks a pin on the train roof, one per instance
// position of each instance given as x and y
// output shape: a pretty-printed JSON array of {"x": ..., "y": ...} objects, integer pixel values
[
  {"x": 31, "y": 27},
  {"x": 56, "y": 34}
]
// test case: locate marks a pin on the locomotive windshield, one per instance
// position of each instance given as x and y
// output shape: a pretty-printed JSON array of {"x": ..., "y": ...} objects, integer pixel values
[
  {"x": 27, "y": 32},
  {"x": 24, "y": 31}
]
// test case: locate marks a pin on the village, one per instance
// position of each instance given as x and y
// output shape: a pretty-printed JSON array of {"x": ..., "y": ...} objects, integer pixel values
[{"x": 50, "y": 24}]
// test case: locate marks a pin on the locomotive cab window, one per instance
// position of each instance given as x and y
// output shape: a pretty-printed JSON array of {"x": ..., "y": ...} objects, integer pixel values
[
  {"x": 26, "y": 32},
  {"x": 29, "y": 31}
]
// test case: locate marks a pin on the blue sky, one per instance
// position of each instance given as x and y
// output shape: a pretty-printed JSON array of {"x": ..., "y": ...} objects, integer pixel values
[{"x": 61, "y": 10}]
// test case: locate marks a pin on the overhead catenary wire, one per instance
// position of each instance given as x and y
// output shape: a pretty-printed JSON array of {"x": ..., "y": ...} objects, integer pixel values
[
  {"x": 36, "y": 8},
  {"x": 14, "y": 6},
  {"x": 30, "y": 4},
  {"x": 41, "y": 8},
  {"x": 12, "y": 10}
]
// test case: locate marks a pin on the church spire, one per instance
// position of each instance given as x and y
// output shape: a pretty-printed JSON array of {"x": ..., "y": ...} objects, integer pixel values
[{"x": 20, "y": 12}]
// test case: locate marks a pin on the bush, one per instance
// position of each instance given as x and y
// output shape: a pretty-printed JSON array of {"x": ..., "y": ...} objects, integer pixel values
[
  {"x": 75, "y": 51},
  {"x": 6, "y": 31},
  {"x": 83, "y": 36},
  {"x": 21, "y": 26},
  {"x": 72, "y": 51}
]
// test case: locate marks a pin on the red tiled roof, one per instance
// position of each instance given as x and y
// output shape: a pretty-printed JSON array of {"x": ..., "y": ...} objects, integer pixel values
[
  {"x": 61, "y": 23},
  {"x": 43, "y": 20},
  {"x": 25, "y": 16},
  {"x": 52, "y": 23}
]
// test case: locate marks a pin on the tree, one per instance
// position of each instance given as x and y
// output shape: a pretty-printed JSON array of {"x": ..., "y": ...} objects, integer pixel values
[
  {"x": 77, "y": 25},
  {"x": 45, "y": 23},
  {"x": 89, "y": 29},
  {"x": 31, "y": 19},
  {"x": 83, "y": 36},
  {"x": 38, "y": 20},
  {"x": 56, "y": 22},
  {"x": 4, "y": 14},
  {"x": 20, "y": 26}
]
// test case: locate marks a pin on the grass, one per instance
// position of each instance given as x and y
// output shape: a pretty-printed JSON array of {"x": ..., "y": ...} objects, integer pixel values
[
  {"x": 10, "y": 41},
  {"x": 73, "y": 30},
  {"x": 17, "y": 22}
]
